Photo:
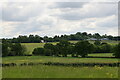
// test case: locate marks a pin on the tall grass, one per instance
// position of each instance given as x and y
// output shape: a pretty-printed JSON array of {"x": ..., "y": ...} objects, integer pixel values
[{"x": 44, "y": 71}]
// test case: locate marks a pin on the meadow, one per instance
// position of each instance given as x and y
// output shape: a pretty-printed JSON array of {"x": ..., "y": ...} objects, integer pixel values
[
  {"x": 45, "y": 71},
  {"x": 43, "y": 59}
]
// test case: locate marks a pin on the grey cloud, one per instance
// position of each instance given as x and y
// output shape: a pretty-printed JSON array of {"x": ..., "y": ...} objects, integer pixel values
[
  {"x": 68, "y": 4},
  {"x": 50, "y": 25},
  {"x": 22, "y": 11},
  {"x": 103, "y": 10},
  {"x": 32, "y": 26}
]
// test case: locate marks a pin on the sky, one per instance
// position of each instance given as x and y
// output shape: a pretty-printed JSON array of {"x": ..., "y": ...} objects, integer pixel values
[{"x": 58, "y": 18}]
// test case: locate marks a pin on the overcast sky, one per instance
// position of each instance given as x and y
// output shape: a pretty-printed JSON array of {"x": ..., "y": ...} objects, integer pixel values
[{"x": 56, "y": 18}]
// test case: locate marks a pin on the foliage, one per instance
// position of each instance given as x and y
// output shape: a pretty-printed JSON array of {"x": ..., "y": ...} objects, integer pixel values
[
  {"x": 77, "y": 36},
  {"x": 97, "y": 42},
  {"x": 10, "y": 49},
  {"x": 117, "y": 51},
  {"x": 82, "y": 48},
  {"x": 5, "y": 49},
  {"x": 103, "y": 48},
  {"x": 64, "y": 47},
  {"x": 38, "y": 51}
]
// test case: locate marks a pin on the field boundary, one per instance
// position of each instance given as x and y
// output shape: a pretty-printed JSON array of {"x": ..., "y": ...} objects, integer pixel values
[{"x": 117, "y": 64}]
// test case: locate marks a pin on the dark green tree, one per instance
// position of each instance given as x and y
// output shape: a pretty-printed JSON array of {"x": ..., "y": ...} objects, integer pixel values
[
  {"x": 106, "y": 48},
  {"x": 38, "y": 51},
  {"x": 5, "y": 49},
  {"x": 82, "y": 48},
  {"x": 63, "y": 46},
  {"x": 97, "y": 42},
  {"x": 117, "y": 51},
  {"x": 17, "y": 49},
  {"x": 49, "y": 49}
]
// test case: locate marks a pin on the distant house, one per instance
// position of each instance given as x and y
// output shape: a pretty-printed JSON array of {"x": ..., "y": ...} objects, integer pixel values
[
  {"x": 42, "y": 41},
  {"x": 93, "y": 39},
  {"x": 104, "y": 39}
]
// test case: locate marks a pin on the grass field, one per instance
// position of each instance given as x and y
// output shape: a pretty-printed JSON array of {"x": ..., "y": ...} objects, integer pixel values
[
  {"x": 30, "y": 46},
  {"x": 101, "y": 55},
  {"x": 43, "y": 71},
  {"x": 22, "y": 59}
]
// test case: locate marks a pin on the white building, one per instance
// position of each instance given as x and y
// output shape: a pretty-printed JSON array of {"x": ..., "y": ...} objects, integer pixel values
[{"x": 42, "y": 41}]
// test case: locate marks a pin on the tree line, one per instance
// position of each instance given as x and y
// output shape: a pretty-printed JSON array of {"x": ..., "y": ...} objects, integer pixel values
[
  {"x": 56, "y": 38},
  {"x": 63, "y": 48},
  {"x": 81, "y": 48},
  {"x": 13, "y": 49}
]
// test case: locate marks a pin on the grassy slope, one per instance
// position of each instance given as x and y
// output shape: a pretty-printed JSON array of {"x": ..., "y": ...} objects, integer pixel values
[
  {"x": 43, "y": 71},
  {"x": 30, "y": 46}
]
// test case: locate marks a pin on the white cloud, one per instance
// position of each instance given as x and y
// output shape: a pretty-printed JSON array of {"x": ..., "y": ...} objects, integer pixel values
[
  {"x": 63, "y": 18},
  {"x": 89, "y": 10}
]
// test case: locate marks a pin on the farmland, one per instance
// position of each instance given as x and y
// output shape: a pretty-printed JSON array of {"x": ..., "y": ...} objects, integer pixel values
[
  {"x": 43, "y": 71},
  {"x": 52, "y": 71},
  {"x": 21, "y": 59}
]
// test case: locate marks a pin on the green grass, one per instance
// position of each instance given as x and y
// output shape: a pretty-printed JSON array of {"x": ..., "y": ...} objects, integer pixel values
[
  {"x": 30, "y": 46},
  {"x": 101, "y": 55},
  {"x": 43, "y": 71},
  {"x": 42, "y": 59}
]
